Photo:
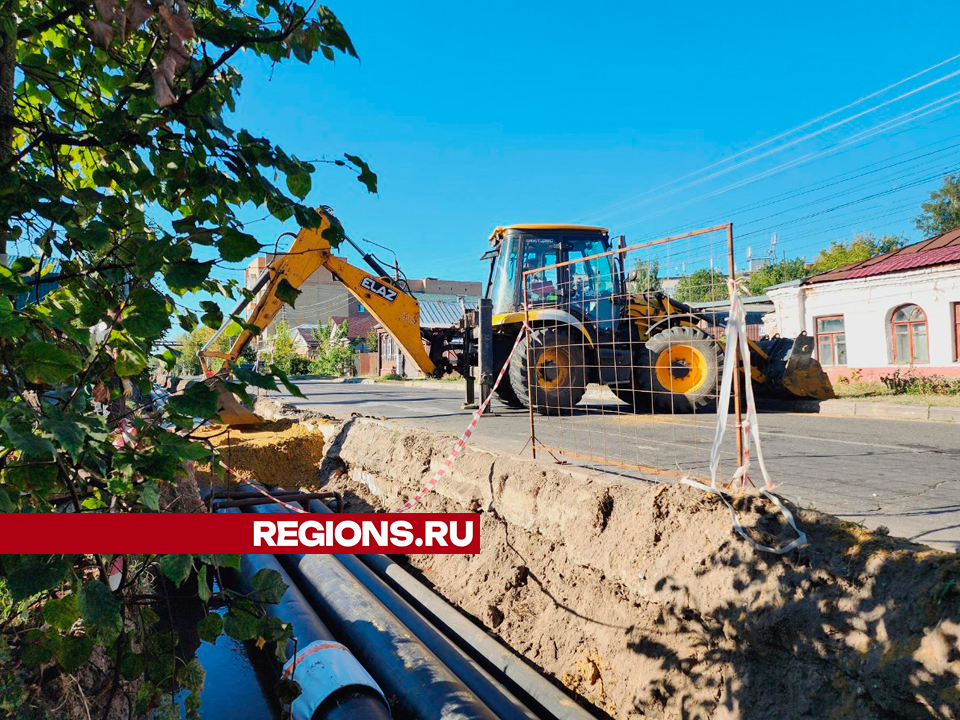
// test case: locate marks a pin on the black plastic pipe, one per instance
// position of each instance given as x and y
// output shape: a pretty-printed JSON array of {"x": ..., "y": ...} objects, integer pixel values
[
  {"x": 334, "y": 685},
  {"x": 528, "y": 683},
  {"x": 417, "y": 683},
  {"x": 489, "y": 690}
]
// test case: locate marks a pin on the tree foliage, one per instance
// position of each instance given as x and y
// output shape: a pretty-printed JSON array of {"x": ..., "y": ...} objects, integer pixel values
[
  {"x": 189, "y": 346},
  {"x": 118, "y": 163},
  {"x": 335, "y": 353},
  {"x": 282, "y": 349},
  {"x": 942, "y": 213},
  {"x": 775, "y": 273},
  {"x": 647, "y": 277},
  {"x": 862, "y": 247},
  {"x": 703, "y": 285}
]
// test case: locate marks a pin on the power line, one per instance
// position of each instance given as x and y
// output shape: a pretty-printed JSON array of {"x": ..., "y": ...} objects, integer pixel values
[
  {"x": 787, "y": 133},
  {"x": 899, "y": 120}
]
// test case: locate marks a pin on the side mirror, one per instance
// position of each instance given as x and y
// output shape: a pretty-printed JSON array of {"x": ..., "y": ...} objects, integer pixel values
[{"x": 631, "y": 275}]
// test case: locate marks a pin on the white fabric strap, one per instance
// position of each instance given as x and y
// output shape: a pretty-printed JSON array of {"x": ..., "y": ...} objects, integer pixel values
[{"x": 737, "y": 338}]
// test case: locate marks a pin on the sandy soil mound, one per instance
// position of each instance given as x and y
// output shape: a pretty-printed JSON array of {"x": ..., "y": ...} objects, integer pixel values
[
  {"x": 282, "y": 452},
  {"x": 642, "y": 600}
]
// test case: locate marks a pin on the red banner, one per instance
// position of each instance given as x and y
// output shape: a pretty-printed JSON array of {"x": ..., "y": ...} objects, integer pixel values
[{"x": 117, "y": 533}]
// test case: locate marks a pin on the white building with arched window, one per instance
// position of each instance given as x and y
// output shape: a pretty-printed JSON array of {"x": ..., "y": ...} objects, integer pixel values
[{"x": 897, "y": 310}]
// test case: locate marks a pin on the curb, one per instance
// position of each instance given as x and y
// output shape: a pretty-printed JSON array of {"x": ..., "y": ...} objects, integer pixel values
[
  {"x": 872, "y": 410},
  {"x": 439, "y": 384}
]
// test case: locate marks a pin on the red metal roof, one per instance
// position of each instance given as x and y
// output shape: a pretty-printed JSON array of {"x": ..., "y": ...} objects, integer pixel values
[
  {"x": 357, "y": 325},
  {"x": 938, "y": 250}
]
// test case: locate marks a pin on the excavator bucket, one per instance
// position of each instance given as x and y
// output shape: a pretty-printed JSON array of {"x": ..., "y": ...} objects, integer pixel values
[
  {"x": 231, "y": 411},
  {"x": 791, "y": 369}
]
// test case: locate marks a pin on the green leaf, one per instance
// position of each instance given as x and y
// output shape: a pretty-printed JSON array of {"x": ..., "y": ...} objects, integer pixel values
[
  {"x": 130, "y": 361},
  {"x": 176, "y": 568},
  {"x": 10, "y": 282},
  {"x": 299, "y": 184},
  {"x": 269, "y": 586},
  {"x": 250, "y": 377},
  {"x": 150, "y": 494},
  {"x": 26, "y": 442},
  {"x": 74, "y": 652},
  {"x": 203, "y": 585},
  {"x": 67, "y": 433},
  {"x": 291, "y": 388},
  {"x": 132, "y": 665},
  {"x": 192, "y": 676},
  {"x": 226, "y": 561},
  {"x": 287, "y": 292},
  {"x": 210, "y": 627},
  {"x": 146, "y": 314},
  {"x": 34, "y": 574},
  {"x": 63, "y": 612},
  {"x": 45, "y": 362},
  {"x": 39, "y": 647},
  {"x": 287, "y": 690},
  {"x": 236, "y": 246},
  {"x": 241, "y": 623},
  {"x": 366, "y": 176},
  {"x": 212, "y": 316},
  {"x": 99, "y": 608},
  {"x": 187, "y": 275},
  {"x": 6, "y": 504},
  {"x": 11, "y": 326},
  {"x": 198, "y": 400}
]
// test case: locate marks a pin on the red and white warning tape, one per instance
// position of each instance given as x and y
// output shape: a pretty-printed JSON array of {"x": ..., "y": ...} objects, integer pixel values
[
  {"x": 440, "y": 473},
  {"x": 462, "y": 440}
]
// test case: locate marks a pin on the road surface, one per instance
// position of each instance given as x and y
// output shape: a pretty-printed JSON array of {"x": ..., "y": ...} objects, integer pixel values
[{"x": 901, "y": 474}]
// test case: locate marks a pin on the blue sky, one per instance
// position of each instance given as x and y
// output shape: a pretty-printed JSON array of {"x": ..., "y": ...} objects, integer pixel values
[{"x": 479, "y": 114}]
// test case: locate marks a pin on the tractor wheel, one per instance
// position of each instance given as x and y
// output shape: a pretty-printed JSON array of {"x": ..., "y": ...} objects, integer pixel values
[
  {"x": 636, "y": 395},
  {"x": 505, "y": 393},
  {"x": 556, "y": 375},
  {"x": 683, "y": 370}
]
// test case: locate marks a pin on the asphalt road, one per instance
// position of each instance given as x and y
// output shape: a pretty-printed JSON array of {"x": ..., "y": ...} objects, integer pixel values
[{"x": 901, "y": 474}]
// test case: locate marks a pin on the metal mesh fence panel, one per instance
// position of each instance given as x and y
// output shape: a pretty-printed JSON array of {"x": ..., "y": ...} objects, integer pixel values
[{"x": 625, "y": 354}]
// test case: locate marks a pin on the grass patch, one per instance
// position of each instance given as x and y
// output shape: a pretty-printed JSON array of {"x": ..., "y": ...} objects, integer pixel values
[{"x": 878, "y": 392}]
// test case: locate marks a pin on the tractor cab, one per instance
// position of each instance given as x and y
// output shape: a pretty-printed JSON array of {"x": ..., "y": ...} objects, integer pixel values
[{"x": 573, "y": 273}]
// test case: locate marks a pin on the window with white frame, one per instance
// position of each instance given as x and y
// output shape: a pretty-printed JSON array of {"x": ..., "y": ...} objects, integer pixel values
[
  {"x": 831, "y": 341},
  {"x": 909, "y": 328}
]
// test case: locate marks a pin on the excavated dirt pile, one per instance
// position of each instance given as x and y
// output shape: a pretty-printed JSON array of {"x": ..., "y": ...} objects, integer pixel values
[
  {"x": 282, "y": 452},
  {"x": 642, "y": 600}
]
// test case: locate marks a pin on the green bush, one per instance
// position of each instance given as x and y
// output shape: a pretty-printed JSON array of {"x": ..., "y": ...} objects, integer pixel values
[
  {"x": 299, "y": 365},
  {"x": 392, "y": 376},
  {"x": 910, "y": 382}
]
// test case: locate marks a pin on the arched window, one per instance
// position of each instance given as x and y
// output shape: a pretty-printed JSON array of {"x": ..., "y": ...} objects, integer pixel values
[{"x": 909, "y": 335}]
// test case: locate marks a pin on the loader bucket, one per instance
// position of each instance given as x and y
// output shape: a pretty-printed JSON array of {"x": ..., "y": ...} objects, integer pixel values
[
  {"x": 231, "y": 411},
  {"x": 792, "y": 370}
]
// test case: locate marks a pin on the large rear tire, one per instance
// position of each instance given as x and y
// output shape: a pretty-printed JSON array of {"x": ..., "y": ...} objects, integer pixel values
[
  {"x": 553, "y": 377},
  {"x": 506, "y": 395},
  {"x": 502, "y": 345},
  {"x": 683, "y": 370}
]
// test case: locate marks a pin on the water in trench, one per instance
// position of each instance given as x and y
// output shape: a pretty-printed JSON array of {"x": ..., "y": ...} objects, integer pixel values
[{"x": 239, "y": 680}]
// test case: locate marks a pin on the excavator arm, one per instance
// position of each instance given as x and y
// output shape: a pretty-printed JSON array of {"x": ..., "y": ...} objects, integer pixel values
[{"x": 396, "y": 310}]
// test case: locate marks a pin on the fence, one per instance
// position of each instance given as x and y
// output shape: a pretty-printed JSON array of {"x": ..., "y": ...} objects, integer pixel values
[{"x": 620, "y": 370}]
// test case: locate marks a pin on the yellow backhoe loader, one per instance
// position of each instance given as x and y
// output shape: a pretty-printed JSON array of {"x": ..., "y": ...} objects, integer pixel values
[
  {"x": 394, "y": 308},
  {"x": 653, "y": 352}
]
